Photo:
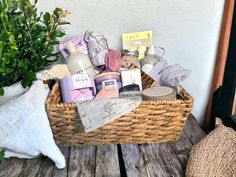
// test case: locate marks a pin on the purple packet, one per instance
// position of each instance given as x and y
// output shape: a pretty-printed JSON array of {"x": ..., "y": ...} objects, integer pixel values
[
  {"x": 98, "y": 48},
  {"x": 79, "y": 43}
]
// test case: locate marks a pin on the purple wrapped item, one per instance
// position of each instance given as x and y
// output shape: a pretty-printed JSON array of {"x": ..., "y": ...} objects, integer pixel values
[
  {"x": 98, "y": 48},
  {"x": 169, "y": 75},
  {"x": 78, "y": 87},
  {"x": 79, "y": 43}
]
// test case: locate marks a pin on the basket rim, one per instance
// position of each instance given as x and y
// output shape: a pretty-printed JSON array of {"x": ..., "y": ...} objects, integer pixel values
[{"x": 50, "y": 102}]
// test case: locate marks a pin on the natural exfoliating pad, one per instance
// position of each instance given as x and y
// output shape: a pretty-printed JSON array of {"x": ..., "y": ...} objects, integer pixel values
[{"x": 159, "y": 93}]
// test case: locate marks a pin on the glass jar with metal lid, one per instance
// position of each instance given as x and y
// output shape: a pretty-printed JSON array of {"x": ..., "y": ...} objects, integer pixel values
[{"x": 129, "y": 57}]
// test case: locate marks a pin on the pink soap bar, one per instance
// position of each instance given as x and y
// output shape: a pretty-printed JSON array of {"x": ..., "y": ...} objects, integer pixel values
[
  {"x": 105, "y": 94},
  {"x": 82, "y": 94}
]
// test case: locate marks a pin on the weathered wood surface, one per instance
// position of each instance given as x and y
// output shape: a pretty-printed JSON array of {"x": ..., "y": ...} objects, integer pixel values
[
  {"x": 107, "y": 161},
  {"x": 82, "y": 161},
  {"x": 62, "y": 173},
  {"x": 162, "y": 160},
  {"x": 147, "y": 160}
]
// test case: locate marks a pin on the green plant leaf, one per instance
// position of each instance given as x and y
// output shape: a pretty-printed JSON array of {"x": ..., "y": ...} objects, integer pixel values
[
  {"x": 27, "y": 40},
  {"x": 1, "y": 154},
  {"x": 5, "y": 36},
  {"x": 59, "y": 33},
  {"x": 1, "y": 91},
  {"x": 9, "y": 2},
  {"x": 4, "y": 3},
  {"x": 51, "y": 19},
  {"x": 2, "y": 70},
  {"x": 46, "y": 17},
  {"x": 63, "y": 23},
  {"x": 28, "y": 78},
  {"x": 57, "y": 12}
]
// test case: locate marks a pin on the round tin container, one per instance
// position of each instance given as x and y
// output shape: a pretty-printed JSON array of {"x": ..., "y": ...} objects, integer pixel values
[
  {"x": 159, "y": 93},
  {"x": 105, "y": 77}
]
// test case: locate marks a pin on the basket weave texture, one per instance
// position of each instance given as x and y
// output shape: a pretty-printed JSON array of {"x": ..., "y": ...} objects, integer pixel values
[
  {"x": 214, "y": 155},
  {"x": 150, "y": 122}
]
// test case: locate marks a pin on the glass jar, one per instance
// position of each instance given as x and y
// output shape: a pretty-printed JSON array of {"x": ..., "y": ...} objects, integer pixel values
[{"x": 129, "y": 57}]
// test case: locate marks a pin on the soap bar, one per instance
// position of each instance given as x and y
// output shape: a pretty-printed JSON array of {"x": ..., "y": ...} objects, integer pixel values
[
  {"x": 133, "y": 87},
  {"x": 159, "y": 93},
  {"x": 105, "y": 94},
  {"x": 109, "y": 89}
]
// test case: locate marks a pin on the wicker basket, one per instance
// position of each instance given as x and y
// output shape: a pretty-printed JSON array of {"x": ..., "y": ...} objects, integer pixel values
[{"x": 152, "y": 121}]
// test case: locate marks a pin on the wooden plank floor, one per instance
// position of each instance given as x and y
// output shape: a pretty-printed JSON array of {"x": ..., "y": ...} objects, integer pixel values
[{"x": 160, "y": 160}]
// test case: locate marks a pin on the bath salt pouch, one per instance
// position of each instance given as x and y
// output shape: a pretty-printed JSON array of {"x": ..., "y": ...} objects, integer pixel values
[
  {"x": 97, "y": 46},
  {"x": 113, "y": 60}
]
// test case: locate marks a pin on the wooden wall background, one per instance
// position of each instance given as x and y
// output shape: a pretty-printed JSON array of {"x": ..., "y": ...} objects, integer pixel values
[{"x": 221, "y": 55}]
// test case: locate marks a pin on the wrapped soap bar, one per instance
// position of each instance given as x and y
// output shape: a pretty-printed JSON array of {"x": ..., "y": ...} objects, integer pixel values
[
  {"x": 78, "y": 87},
  {"x": 98, "y": 48}
]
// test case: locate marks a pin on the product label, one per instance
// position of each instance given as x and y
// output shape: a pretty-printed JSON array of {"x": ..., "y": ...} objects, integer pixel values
[{"x": 81, "y": 80}]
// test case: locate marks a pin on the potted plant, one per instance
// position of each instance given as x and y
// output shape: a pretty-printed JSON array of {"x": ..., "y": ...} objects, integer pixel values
[{"x": 27, "y": 40}]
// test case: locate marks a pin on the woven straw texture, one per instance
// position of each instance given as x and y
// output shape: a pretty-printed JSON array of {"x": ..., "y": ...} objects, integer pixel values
[
  {"x": 152, "y": 121},
  {"x": 214, "y": 155}
]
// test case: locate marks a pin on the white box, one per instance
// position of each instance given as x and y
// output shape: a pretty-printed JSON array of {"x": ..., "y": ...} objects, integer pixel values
[{"x": 132, "y": 76}]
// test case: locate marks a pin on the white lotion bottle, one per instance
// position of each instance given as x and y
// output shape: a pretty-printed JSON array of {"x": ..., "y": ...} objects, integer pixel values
[
  {"x": 149, "y": 61},
  {"x": 78, "y": 62}
]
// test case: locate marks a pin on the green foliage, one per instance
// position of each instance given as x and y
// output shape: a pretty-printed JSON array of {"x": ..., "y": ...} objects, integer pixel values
[
  {"x": 1, "y": 154},
  {"x": 27, "y": 40}
]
